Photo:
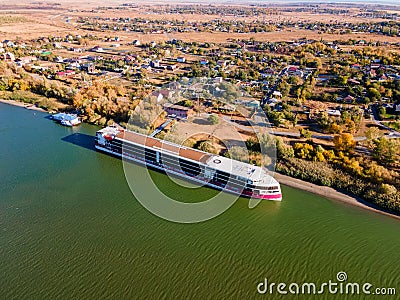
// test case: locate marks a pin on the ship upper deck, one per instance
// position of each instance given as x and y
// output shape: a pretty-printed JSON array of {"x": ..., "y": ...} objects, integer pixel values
[
  {"x": 151, "y": 142},
  {"x": 241, "y": 169}
]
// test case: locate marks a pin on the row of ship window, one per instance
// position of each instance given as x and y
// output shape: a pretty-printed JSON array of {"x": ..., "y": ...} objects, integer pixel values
[
  {"x": 164, "y": 159},
  {"x": 188, "y": 167}
]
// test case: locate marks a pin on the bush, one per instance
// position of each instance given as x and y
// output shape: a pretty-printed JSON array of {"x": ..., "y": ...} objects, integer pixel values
[
  {"x": 213, "y": 119},
  {"x": 388, "y": 189},
  {"x": 305, "y": 133},
  {"x": 23, "y": 96},
  {"x": 207, "y": 146}
]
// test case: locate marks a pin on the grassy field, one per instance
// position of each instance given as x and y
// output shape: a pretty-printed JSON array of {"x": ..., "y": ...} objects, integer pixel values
[
  {"x": 10, "y": 19},
  {"x": 395, "y": 125}
]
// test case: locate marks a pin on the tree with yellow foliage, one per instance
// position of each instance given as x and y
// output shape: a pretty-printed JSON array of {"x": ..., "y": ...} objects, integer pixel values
[
  {"x": 335, "y": 128},
  {"x": 303, "y": 150},
  {"x": 344, "y": 142}
]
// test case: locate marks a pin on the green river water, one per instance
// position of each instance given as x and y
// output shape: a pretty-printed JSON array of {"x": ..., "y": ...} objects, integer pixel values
[{"x": 70, "y": 228}]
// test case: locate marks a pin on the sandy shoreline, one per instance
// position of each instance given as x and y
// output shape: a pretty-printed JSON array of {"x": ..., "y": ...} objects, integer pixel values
[
  {"x": 21, "y": 104},
  {"x": 331, "y": 193},
  {"x": 324, "y": 191}
]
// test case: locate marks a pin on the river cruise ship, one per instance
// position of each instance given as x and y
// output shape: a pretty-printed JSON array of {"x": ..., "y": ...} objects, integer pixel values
[{"x": 205, "y": 168}]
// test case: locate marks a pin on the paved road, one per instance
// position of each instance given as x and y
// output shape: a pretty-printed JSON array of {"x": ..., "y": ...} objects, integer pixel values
[
  {"x": 375, "y": 118},
  {"x": 113, "y": 77},
  {"x": 259, "y": 121},
  {"x": 37, "y": 76},
  {"x": 393, "y": 134},
  {"x": 315, "y": 136},
  {"x": 272, "y": 90},
  {"x": 159, "y": 129}
]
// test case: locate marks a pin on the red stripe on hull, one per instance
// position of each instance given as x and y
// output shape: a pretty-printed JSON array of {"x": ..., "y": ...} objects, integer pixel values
[
  {"x": 269, "y": 197},
  {"x": 266, "y": 196}
]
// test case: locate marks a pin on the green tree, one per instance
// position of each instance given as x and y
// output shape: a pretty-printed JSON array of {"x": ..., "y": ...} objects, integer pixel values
[
  {"x": 374, "y": 94},
  {"x": 213, "y": 119},
  {"x": 388, "y": 189},
  {"x": 284, "y": 87},
  {"x": 186, "y": 103},
  {"x": 282, "y": 149},
  {"x": 305, "y": 133},
  {"x": 275, "y": 117},
  {"x": 324, "y": 120},
  {"x": 207, "y": 146},
  {"x": 386, "y": 150},
  {"x": 372, "y": 134}
]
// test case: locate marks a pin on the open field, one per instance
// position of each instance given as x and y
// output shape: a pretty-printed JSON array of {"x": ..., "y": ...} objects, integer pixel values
[
  {"x": 36, "y": 30},
  {"x": 54, "y": 19}
]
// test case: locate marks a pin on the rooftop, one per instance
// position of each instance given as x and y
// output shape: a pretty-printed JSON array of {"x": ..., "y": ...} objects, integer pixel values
[
  {"x": 64, "y": 116},
  {"x": 176, "y": 107},
  {"x": 164, "y": 145}
]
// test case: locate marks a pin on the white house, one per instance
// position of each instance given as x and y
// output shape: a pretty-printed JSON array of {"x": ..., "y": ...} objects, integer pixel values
[
  {"x": 222, "y": 63},
  {"x": 97, "y": 49},
  {"x": 277, "y": 94},
  {"x": 25, "y": 60},
  {"x": 155, "y": 63},
  {"x": 333, "y": 112},
  {"x": 8, "y": 43},
  {"x": 254, "y": 104},
  {"x": 272, "y": 102},
  {"x": 295, "y": 71},
  {"x": 8, "y": 56},
  {"x": 161, "y": 94}
]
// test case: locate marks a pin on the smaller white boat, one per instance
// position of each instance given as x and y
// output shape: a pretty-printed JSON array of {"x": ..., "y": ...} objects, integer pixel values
[
  {"x": 67, "y": 119},
  {"x": 70, "y": 123}
]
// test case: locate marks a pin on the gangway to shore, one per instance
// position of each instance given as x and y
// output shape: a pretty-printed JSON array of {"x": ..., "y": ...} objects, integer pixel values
[{"x": 159, "y": 129}]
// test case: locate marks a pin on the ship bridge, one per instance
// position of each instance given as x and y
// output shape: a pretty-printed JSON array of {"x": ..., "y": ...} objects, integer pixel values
[{"x": 250, "y": 173}]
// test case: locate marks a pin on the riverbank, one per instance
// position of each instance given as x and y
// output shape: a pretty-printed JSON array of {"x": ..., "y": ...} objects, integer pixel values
[
  {"x": 22, "y": 104},
  {"x": 324, "y": 191},
  {"x": 331, "y": 194}
]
